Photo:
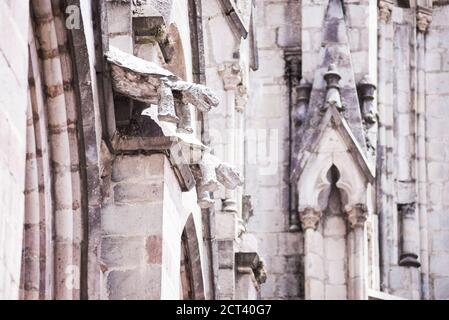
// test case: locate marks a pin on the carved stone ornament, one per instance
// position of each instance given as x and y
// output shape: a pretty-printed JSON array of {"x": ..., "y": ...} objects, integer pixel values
[
  {"x": 333, "y": 98},
  {"x": 251, "y": 262},
  {"x": 166, "y": 105},
  {"x": 241, "y": 98},
  {"x": 423, "y": 19},
  {"x": 185, "y": 117},
  {"x": 310, "y": 218},
  {"x": 207, "y": 165},
  {"x": 147, "y": 82},
  {"x": 357, "y": 215},
  {"x": 299, "y": 113},
  {"x": 385, "y": 8},
  {"x": 260, "y": 272},
  {"x": 200, "y": 96},
  {"x": 231, "y": 74},
  {"x": 229, "y": 176},
  {"x": 367, "y": 92}
]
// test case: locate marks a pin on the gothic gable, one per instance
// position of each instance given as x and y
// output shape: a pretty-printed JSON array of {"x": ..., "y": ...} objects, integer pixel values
[{"x": 335, "y": 51}]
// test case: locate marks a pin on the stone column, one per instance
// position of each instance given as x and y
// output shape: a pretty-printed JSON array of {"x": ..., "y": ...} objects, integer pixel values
[
  {"x": 241, "y": 101},
  {"x": 226, "y": 220},
  {"x": 357, "y": 216},
  {"x": 231, "y": 74},
  {"x": 385, "y": 202},
  {"x": 31, "y": 251},
  {"x": 313, "y": 261},
  {"x": 423, "y": 20},
  {"x": 410, "y": 235}
]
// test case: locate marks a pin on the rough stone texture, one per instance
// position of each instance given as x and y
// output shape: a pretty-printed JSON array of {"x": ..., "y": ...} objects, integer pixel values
[{"x": 141, "y": 227}]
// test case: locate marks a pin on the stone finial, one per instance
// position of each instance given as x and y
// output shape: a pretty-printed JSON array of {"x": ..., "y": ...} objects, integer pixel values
[
  {"x": 228, "y": 176},
  {"x": 231, "y": 74},
  {"x": 299, "y": 114},
  {"x": 367, "y": 92},
  {"x": 423, "y": 18},
  {"x": 385, "y": 9},
  {"x": 357, "y": 215},
  {"x": 166, "y": 106},
  {"x": 310, "y": 218},
  {"x": 333, "y": 98}
]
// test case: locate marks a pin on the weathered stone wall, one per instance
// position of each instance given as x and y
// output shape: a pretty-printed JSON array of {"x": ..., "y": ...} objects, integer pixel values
[
  {"x": 267, "y": 149},
  {"x": 14, "y": 30},
  {"x": 437, "y": 116},
  {"x": 142, "y": 220}
]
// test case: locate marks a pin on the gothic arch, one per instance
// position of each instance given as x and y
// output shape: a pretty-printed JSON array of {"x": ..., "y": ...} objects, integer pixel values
[{"x": 314, "y": 184}]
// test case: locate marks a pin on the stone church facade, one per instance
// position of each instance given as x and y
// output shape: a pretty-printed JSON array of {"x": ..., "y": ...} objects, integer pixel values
[{"x": 224, "y": 149}]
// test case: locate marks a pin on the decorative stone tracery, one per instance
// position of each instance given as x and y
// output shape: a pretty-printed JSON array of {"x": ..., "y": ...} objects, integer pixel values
[{"x": 333, "y": 172}]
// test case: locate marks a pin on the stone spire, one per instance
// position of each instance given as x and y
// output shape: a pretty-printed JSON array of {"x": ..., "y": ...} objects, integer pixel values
[{"x": 334, "y": 54}]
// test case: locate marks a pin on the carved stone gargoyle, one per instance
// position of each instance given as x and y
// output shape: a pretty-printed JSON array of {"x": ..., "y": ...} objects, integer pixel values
[
  {"x": 147, "y": 82},
  {"x": 214, "y": 171}
]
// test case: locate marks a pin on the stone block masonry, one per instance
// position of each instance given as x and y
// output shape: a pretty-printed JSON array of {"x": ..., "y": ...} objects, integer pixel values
[
  {"x": 437, "y": 88},
  {"x": 267, "y": 118}
]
